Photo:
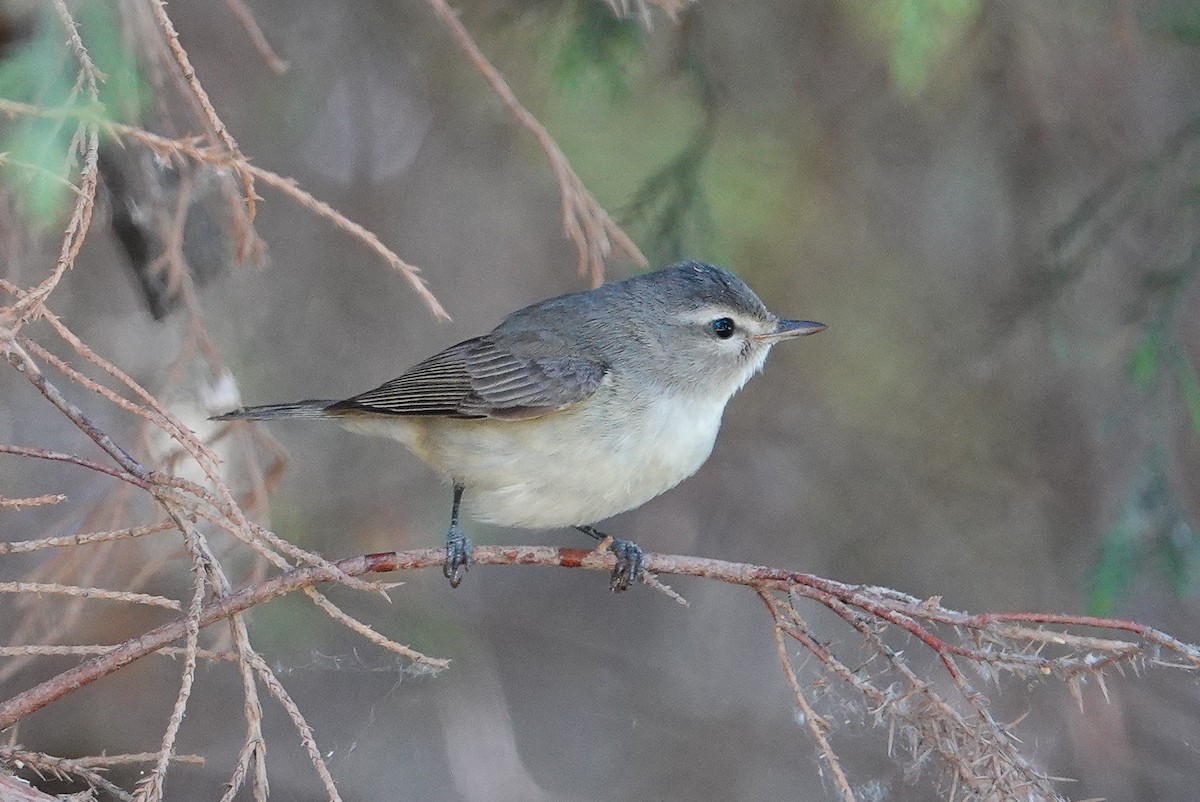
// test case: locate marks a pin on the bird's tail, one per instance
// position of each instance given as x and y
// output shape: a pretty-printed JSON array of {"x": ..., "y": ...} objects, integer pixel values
[{"x": 296, "y": 409}]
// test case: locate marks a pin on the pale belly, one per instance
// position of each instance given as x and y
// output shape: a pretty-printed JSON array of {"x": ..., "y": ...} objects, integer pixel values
[{"x": 564, "y": 469}]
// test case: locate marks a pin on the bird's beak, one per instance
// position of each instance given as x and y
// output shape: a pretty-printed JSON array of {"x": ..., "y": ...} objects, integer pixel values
[{"x": 787, "y": 329}]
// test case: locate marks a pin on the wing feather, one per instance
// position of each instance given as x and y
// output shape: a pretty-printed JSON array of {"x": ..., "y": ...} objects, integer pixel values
[{"x": 481, "y": 379}]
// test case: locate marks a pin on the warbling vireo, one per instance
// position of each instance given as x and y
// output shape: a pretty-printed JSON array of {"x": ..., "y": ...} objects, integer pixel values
[{"x": 576, "y": 408}]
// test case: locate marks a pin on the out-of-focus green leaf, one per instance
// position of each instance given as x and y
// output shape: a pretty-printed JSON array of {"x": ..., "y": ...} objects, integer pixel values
[
  {"x": 35, "y": 148},
  {"x": 917, "y": 32},
  {"x": 1122, "y": 546},
  {"x": 44, "y": 73},
  {"x": 670, "y": 211},
  {"x": 1189, "y": 384},
  {"x": 1181, "y": 20},
  {"x": 1143, "y": 362},
  {"x": 36, "y": 162},
  {"x": 599, "y": 47},
  {"x": 1114, "y": 570},
  {"x": 1151, "y": 534},
  {"x": 123, "y": 90},
  {"x": 1180, "y": 555}
]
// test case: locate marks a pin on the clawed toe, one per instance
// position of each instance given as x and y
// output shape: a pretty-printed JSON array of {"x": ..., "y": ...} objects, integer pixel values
[
  {"x": 629, "y": 564},
  {"x": 458, "y": 559},
  {"x": 629, "y": 558}
]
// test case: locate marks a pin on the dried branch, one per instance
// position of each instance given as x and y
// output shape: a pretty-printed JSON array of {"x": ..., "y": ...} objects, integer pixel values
[
  {"x": 185, "y": 149},
  {"x": 42, "y": 650},
  {"x": 33, "y": 501},
  {"x": 583, "y": 219},
  {"x": 82, "y": 538},
  {"x": 15, "y": 790},
  {"x": 761, "y": 578},
  {"x": 188, "y": 149},
  {"x": 55, "y": 589},
  {"x": 151, "y": 787},
  {"x": 61, "y": 768},
  {"x": 216, "y": 126},
  {"x": 817, "y": 726},
  {"x": 274, "y": 63},
  {"x": 942, "y": 715}
]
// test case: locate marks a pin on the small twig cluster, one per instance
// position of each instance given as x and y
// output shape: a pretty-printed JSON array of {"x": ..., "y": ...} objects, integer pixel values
[
  {"x": 193, "y": 511},
  {"x": 980, "y": 756},
  {"x": 151, "y": 500}
]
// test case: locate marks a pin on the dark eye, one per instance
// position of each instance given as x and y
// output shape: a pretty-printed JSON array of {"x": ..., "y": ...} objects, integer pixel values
[{"x": 722, "y": 327}]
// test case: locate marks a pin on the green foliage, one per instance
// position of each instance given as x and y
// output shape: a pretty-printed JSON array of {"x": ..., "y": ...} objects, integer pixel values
[
  {"x": 1179, "y": 19},
  {"x": 1114, "y": 569},
  {"x": 918, "y": 33},
  {"x": 1142, "y": 366},
  {"x": 44, "y": 73},
  {"x": 1189, "y": 384},
  {"x": 670, "y": 211},
  {"x": 123, "y": 89},
  {"x": 654, "y": 130},
  {"x": 691, "y": 181},
  {"x": 598, "y": 46},
  {"x": 1151, "y": 534}
]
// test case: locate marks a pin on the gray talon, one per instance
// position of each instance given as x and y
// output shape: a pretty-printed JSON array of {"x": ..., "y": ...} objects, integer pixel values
[
  {"x": 629, "y": 564},
  {"x": 458, "y": 555}
]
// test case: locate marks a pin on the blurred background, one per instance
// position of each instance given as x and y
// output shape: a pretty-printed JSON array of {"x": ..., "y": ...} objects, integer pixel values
[{"x": 994, "y": 206}]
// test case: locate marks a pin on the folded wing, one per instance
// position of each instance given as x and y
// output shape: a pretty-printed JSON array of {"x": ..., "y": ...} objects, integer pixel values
[{"x": 479, "y": 379}]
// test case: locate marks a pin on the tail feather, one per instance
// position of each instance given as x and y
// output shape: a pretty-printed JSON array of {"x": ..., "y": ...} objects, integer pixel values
[{"x": 295, "y": 409}]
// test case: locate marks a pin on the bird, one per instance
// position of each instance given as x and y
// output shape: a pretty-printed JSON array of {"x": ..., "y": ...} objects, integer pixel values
[{"x": 575, "y": 408}]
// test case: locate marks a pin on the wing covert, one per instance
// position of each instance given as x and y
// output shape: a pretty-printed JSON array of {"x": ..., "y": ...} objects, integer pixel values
[{"x": 478, "y": 379}]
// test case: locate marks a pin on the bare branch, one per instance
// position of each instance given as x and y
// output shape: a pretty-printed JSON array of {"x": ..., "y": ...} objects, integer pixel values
[
  {"x": 216, "y": 125},
  {"x": 274, "y": 63},
  {"x": 33, "y": 501},
  {"x": 55, "y": 589},
  {"x": 583, "y": 219},
  {"x": 755, "y": 576}
]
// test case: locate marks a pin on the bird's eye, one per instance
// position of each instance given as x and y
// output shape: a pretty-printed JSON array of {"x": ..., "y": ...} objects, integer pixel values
[{"x": 722, "y": 327}]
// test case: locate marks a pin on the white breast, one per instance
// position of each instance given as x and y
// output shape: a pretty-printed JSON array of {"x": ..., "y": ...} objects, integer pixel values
[
  {"x": 573, "y": 467},
  {"x": 610, "y": 453}
]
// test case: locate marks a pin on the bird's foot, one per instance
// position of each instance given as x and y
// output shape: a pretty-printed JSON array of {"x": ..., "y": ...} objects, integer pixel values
[
  {"x": 458, "y": 556},
  {"x": 629, "y": 558},
  {"x": 629, "y": 564}
]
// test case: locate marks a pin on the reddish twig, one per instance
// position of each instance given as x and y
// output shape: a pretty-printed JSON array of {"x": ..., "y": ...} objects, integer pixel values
[
  {"x": 756, "y": 576},
  {"x": 158, "y": 7},
  {"x": 583, "y": 219},
  {"x": 257, "y": 38}
]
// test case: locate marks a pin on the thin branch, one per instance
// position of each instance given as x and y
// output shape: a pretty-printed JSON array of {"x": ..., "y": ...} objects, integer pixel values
[
  {"x": 56, "y": 589},
  {"x": 306, "y": 734},
  {"x": 583, "y": 219},
  {"x": 61, "y": 767},
  {"x": 274, "y": 63},
  {"x": 87, "y": 650},
  {"x": 159, "y": 8},
  {"x": 82, "y": 538},
  {"x": 756, "y": 576},
  {"x": 289, "y": 187},
  {"x": 151, "y": 788},
  {"x": 817, "y": 726},
  {"x": 57, "y": 456},
  {"x": 33, "y": 501}
]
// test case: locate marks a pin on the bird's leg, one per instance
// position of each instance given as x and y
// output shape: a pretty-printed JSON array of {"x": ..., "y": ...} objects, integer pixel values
[
  {"x": 458, "y": 548},
  {"x": 629, "y": 559}
]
